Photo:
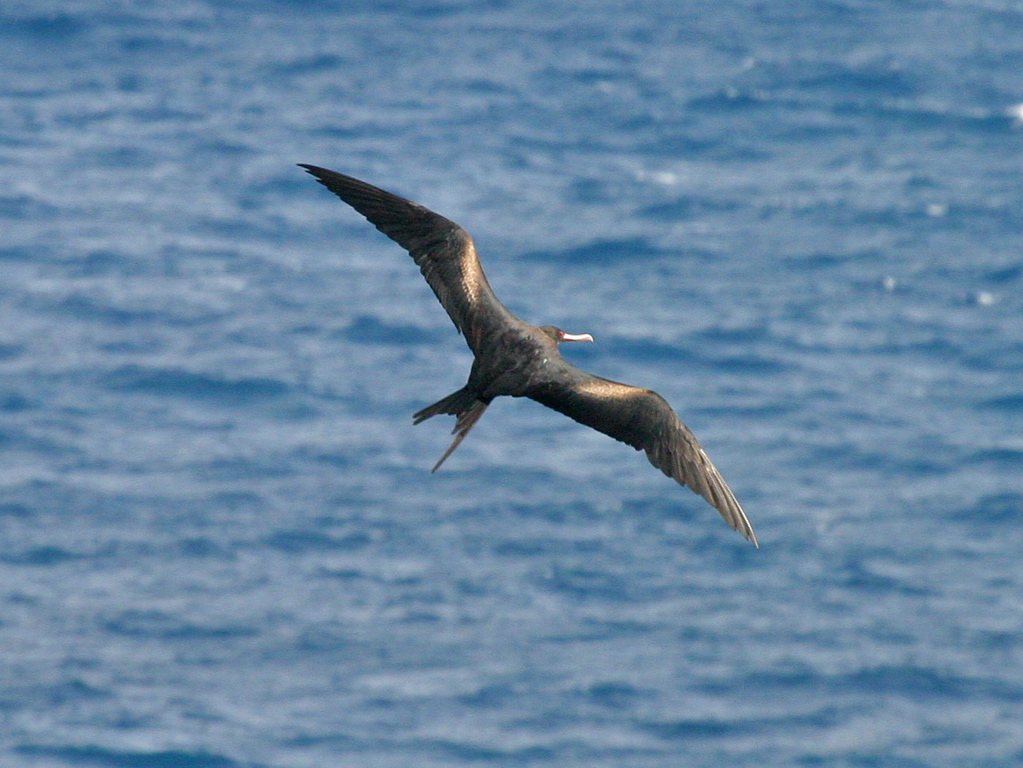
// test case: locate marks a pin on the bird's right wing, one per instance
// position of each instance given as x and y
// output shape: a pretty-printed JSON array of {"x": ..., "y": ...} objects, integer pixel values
[
  {"x": 443, "y": 250},
  {"x": 645, "y": 420}
]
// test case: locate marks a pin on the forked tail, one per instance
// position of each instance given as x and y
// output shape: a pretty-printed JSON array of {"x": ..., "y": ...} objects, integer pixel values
[{"x": 462, "y": 404}]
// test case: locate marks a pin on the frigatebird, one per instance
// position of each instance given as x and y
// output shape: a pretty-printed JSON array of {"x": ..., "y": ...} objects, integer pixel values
[{"x": 515, "y": 358}]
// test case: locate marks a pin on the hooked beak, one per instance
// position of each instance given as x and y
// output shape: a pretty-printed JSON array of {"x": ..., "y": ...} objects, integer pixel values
[{"x": 576, "y": 336}]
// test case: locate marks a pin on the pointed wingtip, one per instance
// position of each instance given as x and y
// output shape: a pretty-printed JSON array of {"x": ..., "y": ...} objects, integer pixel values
[
  {"x": 313, "y": 170},
  {"x": 320, "y": 174},
  {"x": 743, "y": 526}
]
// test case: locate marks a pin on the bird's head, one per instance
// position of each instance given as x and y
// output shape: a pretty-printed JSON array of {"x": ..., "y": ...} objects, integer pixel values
[{"x": 558, "y": 335}]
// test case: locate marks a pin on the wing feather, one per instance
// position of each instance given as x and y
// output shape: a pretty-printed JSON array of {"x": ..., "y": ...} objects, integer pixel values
[
  {"x": 445, "y": 252},
  {"x": 643, "y": 419}
]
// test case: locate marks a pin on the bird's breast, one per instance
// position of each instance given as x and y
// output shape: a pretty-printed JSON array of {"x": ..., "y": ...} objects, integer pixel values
[{"x": 513, "y": 364}]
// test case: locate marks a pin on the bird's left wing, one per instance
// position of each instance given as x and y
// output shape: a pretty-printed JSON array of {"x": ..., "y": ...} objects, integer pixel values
[
  {"x": 443, "y": 250},
  {"x": 644, "y": 420}
]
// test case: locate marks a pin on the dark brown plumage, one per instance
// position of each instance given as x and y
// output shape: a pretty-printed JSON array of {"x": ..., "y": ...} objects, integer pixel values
[{"x": 515, "y": 358}]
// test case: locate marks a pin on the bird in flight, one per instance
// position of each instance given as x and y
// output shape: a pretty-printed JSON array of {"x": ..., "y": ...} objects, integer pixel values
[{"x": 515, "y": 358}]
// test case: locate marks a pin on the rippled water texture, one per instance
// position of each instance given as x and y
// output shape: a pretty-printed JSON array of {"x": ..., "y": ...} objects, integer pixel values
[{"x": 221, "y": 543}]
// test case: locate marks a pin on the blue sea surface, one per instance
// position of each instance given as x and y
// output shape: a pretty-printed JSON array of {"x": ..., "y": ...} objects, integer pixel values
[{"x": 220, "y": 542}]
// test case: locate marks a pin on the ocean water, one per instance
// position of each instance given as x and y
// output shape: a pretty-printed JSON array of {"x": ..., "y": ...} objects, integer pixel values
[{"x": 220, "y": 541}]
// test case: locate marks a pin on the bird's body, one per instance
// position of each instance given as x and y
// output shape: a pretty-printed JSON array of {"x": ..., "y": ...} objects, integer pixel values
[{"x": 517, "y": 359}]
